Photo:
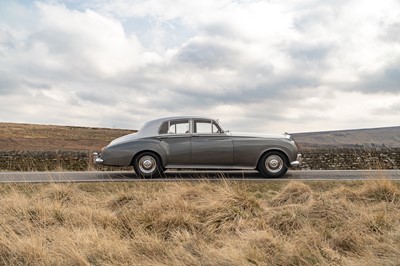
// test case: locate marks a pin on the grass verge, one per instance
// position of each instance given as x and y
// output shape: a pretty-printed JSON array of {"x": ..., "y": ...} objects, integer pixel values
[{"x": 202, "y": 223}]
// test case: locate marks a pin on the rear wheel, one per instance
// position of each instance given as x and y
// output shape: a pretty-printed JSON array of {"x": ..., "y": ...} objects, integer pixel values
[
  {"x": 147, "y": 165},
  {"x": 273, "y": 164}
]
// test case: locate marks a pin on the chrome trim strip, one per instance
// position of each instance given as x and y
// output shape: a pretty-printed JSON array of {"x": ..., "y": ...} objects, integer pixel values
[{"x": 211, "y": 167}]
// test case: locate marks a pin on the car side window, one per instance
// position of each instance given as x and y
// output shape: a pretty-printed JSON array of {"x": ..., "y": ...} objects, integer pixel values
[
  {"x": 175, "y": 127},
  {"x": 206, "y": 127}
]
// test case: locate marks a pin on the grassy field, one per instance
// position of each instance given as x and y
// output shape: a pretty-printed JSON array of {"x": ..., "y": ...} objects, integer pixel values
[{"x": 202, "y": 223}]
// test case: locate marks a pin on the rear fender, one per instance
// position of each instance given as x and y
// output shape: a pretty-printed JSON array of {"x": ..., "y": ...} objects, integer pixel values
[{"x": 154, "y": 146}]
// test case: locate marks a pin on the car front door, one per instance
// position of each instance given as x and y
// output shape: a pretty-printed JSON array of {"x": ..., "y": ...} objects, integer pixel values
[
  {"x": 175, "y": 135},
  {"x": 210, "y": 147}
]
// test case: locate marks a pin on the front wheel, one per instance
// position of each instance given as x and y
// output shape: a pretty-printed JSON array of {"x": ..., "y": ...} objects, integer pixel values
[
  {"x": 147, "y": 165},
  {"x": 273, "y": 164}
]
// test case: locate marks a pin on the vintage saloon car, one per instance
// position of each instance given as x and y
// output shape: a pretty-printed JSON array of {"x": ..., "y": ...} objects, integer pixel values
[{"x": 198, "y": 143}]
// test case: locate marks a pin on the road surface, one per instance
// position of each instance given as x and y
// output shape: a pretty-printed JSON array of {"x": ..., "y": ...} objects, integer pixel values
[{"x": 35, "y": 177}]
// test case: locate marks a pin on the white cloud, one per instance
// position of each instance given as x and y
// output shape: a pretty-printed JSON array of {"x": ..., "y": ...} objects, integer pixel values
[{"x": 91, "y": 40}]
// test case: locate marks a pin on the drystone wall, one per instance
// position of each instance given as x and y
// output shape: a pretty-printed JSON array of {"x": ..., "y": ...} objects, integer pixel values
[
  {"x": 49, "y": 161},
  {"x": 318, "y": 159},
  {"x": 351, "y": 159}
]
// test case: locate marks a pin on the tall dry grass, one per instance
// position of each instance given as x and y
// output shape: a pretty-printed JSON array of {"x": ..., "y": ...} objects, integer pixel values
[{"x": 202, "y": 223}]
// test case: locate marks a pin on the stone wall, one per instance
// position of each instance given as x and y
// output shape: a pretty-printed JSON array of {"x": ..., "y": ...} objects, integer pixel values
[
  {"x": 351, "y": 159},
  {"x": 318, "y": 159},
  {"x": 49, "y": 161}
]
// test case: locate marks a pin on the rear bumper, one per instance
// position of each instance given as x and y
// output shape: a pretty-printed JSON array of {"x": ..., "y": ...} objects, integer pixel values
[
  {"x": 96, "y": 158},
  {"x": 297, "y": 162}
]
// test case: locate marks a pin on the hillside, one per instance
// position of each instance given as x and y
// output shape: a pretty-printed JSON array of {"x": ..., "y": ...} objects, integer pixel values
[
  {"x": 14, "y": 136},
  {"x": 32, "y": 137},
  {"x": 356, "y": 138}
]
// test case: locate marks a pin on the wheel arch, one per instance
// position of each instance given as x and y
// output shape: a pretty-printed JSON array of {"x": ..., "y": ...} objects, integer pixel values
[{"x": 286, "y": 156}]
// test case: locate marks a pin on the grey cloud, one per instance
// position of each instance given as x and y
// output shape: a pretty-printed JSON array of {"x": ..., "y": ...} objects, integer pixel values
[
  {"x": 37, "y": 85},
  {"x": 312, "y": 58},
  {"x": 387, "y": 80},
  {"x": 168, "y": 96},
  {"x": 105, "y": 96},
  {"x": 178, "y": 103},
  {"x": 309, "y": 53},
  {"x": 313, "y": 16},
  {"x": 207, "y": 55},
  {"x": 278, "y": 91},
  {"x": 392, "y": 33},
  {"x": 220, "y": 29},
  {"x": 9, "y": 84},
  {"x": 7, "y": 41}
]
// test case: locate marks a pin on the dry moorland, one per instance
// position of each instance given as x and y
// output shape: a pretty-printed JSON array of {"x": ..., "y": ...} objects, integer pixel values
[
  {"x": 15, "y": 136},
  {"x": 203, "y": 223},
  {"x": 31, "y": 137}
]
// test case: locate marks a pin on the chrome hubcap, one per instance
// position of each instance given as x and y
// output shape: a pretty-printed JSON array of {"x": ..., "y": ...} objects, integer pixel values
[
  {"x": 147, "y": 164},
  {"x": 274, "y": 163}
]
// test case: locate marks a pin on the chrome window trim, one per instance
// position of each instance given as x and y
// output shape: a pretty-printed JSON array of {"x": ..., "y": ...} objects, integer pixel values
[
  {"x": 187, "y": 120},
  {"x": 212, "y": 123}
]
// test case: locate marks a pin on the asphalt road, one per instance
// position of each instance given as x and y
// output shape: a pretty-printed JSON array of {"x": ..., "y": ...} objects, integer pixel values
[{"x": 38, "y": 177}]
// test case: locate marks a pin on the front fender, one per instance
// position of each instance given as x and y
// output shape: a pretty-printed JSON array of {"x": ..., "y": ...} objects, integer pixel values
[
  {"x": 248, "y": 151},
  {"x": 286, "y": 147}
]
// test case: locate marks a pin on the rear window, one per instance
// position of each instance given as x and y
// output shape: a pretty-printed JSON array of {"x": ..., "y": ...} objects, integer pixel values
[{"x": 180, "y": 126}]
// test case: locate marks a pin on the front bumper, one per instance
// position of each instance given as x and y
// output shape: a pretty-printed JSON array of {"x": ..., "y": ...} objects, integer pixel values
[
  {"x": 96, "y": 158},
  {"x": 297, "y": 162}
]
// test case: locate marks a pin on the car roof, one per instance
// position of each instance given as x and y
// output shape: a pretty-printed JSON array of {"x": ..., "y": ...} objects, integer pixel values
[{"x": 167, "y": 118}]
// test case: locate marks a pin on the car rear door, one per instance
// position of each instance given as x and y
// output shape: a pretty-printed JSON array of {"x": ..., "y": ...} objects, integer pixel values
[{"x": 175, "y": 135}]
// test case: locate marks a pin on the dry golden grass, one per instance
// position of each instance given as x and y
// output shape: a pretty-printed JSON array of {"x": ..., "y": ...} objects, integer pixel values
[
  {"x": 14, "y": 136},
  {"x": 219, "y": 223}
]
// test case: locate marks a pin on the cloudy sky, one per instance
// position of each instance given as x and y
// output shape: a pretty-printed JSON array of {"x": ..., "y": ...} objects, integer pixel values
[{"x": 264, "y": 66}]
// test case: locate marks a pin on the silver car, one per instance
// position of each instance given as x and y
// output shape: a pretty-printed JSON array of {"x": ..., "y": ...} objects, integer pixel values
[{"x": 198, "y": 143}]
